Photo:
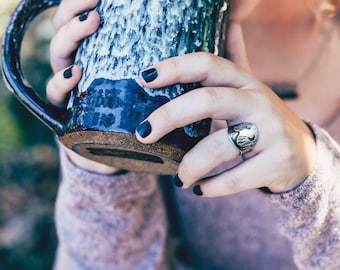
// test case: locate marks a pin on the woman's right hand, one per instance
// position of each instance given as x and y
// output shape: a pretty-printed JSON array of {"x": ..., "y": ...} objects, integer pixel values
[{"x": 73, "y": 21}]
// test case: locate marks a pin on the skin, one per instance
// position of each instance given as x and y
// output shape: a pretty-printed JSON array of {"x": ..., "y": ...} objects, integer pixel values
[
  {"x": 231, "y": 93},
  {"x": 242, "y": 9}
]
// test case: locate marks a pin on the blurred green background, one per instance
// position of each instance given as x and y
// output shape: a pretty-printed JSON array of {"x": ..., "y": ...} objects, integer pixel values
[{"x": 29, "y": 169}]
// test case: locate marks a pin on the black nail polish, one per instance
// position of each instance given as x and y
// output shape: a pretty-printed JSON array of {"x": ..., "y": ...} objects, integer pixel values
[
  {"x": 83, "y": 17},
  {"x": 150, "y": 75},
  {"x": 68, "y": 73},
  {"x": 197, "y": 190},
  {"x": 177, "y": 181},
  {"x": 144, "y": 129}
]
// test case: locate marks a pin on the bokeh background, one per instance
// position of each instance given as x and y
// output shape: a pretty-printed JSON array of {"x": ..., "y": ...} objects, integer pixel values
[{"x": 29, "y": 169}]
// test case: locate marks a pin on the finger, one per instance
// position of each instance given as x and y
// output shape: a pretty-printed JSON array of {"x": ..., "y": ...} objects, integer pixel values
[
  {"x": 208, "y": 102},
  {"x": 208, "y": 154},
  {"x": 61, "y": 84},
  {"x": 206, "y": 68},
  {"x": 69, "y": 9},
  {"x": 66, "y": 40},
  {"x": 236, "y": 47},
  {"x": 251, "y": 174}
]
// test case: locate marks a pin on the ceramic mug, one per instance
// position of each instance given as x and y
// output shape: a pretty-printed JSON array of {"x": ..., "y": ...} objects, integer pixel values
[{"x": 109, "y": 102}]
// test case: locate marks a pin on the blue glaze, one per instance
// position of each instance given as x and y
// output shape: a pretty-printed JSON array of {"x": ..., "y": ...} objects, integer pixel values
[
  {"x": 120, "y": 106},
  {"x": 109, "y": 105}
]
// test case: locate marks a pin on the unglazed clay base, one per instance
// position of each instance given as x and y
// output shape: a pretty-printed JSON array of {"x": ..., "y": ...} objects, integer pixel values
[{"x": 124, "y": 151}]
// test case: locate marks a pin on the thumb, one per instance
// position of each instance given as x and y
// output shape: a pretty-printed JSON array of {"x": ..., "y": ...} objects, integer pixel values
[{"x": 236, "y": 48}]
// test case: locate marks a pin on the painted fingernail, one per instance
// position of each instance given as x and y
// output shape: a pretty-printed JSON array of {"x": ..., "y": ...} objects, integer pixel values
[
  {"x": 68, "y": 73},
  {"x": 177, "y": 181},
  {"x": 144, "y": 129},
  {"x": 197, "y": 190},
  {"x": 150, "y": 75},
  {"x": 83, "y": 17}
]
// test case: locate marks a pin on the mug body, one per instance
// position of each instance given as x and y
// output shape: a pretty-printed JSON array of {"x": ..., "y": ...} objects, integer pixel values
[{"x": 109, "y": 102}]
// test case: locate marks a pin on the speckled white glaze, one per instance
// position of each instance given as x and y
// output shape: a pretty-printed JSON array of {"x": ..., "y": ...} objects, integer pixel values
[{"x": 137, "y": 33}]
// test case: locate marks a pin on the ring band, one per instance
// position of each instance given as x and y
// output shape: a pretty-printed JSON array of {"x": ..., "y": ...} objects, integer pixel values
[{"x": 244, "y": 136}]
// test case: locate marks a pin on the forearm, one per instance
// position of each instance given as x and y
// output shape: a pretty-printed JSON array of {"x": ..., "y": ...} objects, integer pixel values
[
  {"x": 109, "y": 222},
  {"x": 311, "y": 216}
]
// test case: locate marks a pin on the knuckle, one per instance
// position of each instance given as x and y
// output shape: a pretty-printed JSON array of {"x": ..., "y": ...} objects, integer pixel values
[
  {"x": 206, "y": 58},
  {"x": 185, "y": 170},
  {"x": 54, "y": 85},
  {"x": 52, "y": 46},
  {"x": 57, "y": 42},
  {"x": 234, "y": 184},
  {"x": 68, "y": 34},
  {"x": 214, "y": 147},
  {"x": 208, "y": 61},
  {"x": 165, "y": 114},
  {"x": 51, "y": 90},
  {"x": 258, "y": 97},
  {"x": 173, "y": 63},
  {"x": 212, "y": 93},
  {"x": 49, "y": 87},
  {"x": 55, "y": 21}
]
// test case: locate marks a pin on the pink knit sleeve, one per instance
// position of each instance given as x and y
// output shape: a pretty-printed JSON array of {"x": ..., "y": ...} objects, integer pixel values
[
  {"x": 312, "y": 210},
  {"x": 109, "y": 221}
]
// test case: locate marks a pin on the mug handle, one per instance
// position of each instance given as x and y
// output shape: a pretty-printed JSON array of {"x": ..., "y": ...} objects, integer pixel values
[{"x": 23, "y": 15}]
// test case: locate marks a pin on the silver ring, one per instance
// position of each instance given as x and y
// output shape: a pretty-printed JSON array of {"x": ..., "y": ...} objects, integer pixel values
[{"x": 244, "y": 136}]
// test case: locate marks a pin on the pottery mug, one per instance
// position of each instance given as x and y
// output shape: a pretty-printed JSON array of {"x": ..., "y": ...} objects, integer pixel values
[{"x": 109, "y": 102}]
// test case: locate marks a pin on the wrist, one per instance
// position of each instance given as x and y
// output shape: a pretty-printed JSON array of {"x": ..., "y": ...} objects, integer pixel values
[{"x": 90, "y": 165}]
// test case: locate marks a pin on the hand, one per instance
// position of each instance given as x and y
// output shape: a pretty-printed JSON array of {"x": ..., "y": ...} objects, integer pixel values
[
  {"x": 284, "y": 154},
  {"x": 73, "y": 21}
]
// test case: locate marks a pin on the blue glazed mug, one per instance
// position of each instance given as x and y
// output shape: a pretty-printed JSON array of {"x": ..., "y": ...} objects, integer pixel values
[{"x": 104, "y": 110}]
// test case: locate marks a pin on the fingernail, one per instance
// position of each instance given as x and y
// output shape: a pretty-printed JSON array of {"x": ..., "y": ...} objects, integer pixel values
[
  {"x": 177, "y": 181},
  {"x": 83, "y": 17},
  {"x": 144, "y": 129},
  {"x": 68, "y": 73},
  {"x": 150, "y": 75},
  {"x": 197, "y": 190}
]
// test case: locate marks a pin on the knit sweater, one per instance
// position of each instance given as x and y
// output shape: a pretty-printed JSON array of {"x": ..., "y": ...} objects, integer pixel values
[{"x": 136, "y": 221}]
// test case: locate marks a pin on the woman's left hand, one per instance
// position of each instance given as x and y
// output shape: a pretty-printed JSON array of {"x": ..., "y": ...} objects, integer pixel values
[{"x": 285, "y": 151}]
